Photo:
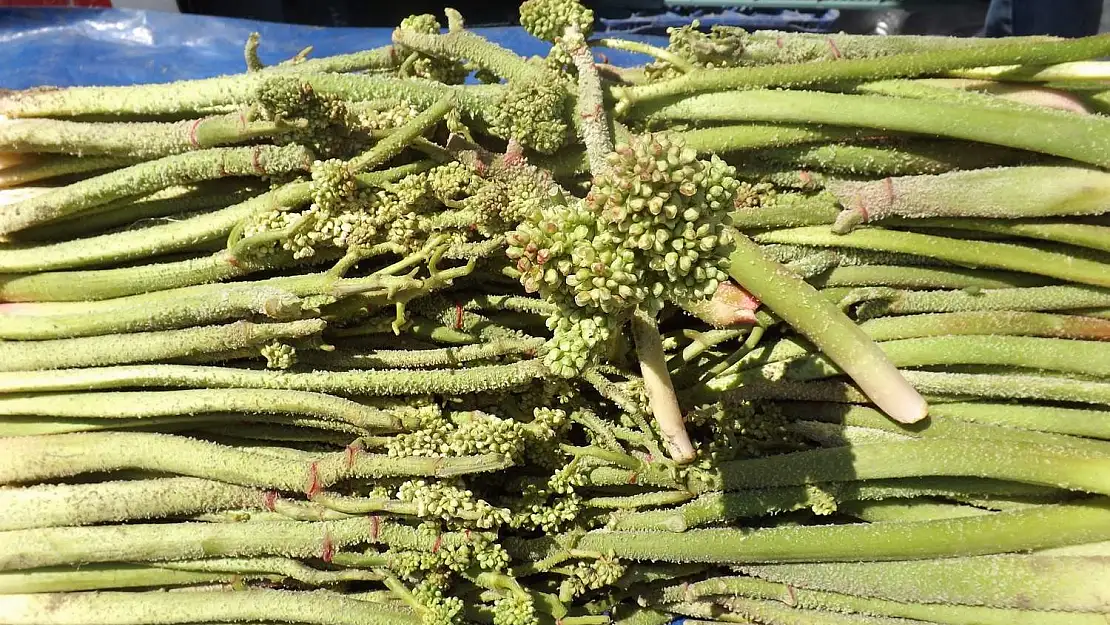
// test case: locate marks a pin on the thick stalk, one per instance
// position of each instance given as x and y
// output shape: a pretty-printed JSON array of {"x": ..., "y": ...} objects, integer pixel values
[
  {"x": 151, "y": 176},
  {"x": 1034, "y": 528},
  {"x": 61, "y": 505},
  {"x": 116, "y": 349},
  {"x": 843, "y": 70},
  {"x": 1073, "y": 421},
  {"x": 56, "y": 546},
  {"x": 959, "y": 251},
  {"x": 1061, "y": 467},
  {"x": 112, "y": 577},
  {"x": 373, "y": 383},
  {"x": 37, "y": 458},
  {"x": 1061, "y": 72},
  {"x": 205, "y": 401},
  {"x": 1082, "y": 358},
  {"x": 1059, "y": 231},
  {"x": 911, "y": 277},
  {"x": 42, "y": 168},
  {"x": 420, "y": 358},
  {"x": 910, "y": 158},
  {"x": 459, "y": 44},
  {"x": 746, "y": 588},
  {"x": 219, "y": 606},
  {"x": 1065, "y": 583},
  {"x": 142, "y": 140},
  {"x": 1080, "y": 138},
  {"x": 1002, "y": 193},
  {"x": 999, "y": 323},
  {"x": 1044, "y": 298},
  {"x": 826, "y": 326}
]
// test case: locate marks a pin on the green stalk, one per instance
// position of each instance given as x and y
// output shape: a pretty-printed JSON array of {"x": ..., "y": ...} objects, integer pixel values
[
  {"x": 37, "y": 458},
  {"x": 826, "y": 326},
  {"x": 1034, "y": 528},
  {"x": 373, "y": 383},
  {"x": 220, "y": 606},
  {"x": 788, "y": 210},
  {"x": 142, "y": 140},
  {"x": 115, "y": 349},
  {"x": 164, "y": 238},
  {"x": 61, "y": 505},
  {"x": 744, "y": 137},
  {"x": 458, "y": 43},
  {"x": 1080, "y": 138},
  {"x": 716, "y": 508},
  {"x": 205, "y": 401},
  {"x": 112, "y": 577},
  {"x": 846, "y": 70},
  {"x": 660, "y": 390},
  {"x": 911, "y": 158},
  {"x": 30, "y": 549},
  {"x": 1057, "y": 583},
  {"x": 179, "y": 96},
  {"x": 1000, "y": 323},
  {"x": 1043, "y": 298},
  {"x": 151, "y": 176},
  {"x": 1082, "y": 235},
  {"x": 1073, "y": 421},
  {"x": 940, "y": 386},
  {"x": 1003, "y": 193},
  {"x": 1032, "y": 72},
  {"x": 746, "y": 588},
  {"x": 396, "y": 142},
  {"x": 958, "y": 251},
  {"x": 1083, "y": 358},
  {"x": 421, "y": 358},
  {"x": 46, "y": 167},
  {"x": 1062, "y": 467},
  {"x": 911, "y": 277},
  {"x": 129, "y": 212}
]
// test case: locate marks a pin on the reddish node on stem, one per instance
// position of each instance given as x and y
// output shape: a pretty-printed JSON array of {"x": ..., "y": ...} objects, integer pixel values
[
  {"x": 862, "y": 208},
  {"x": 270, "y": 499},
  {"x": 793, "y": 600},
  {"x": 888, "y": 186},
  {"x": 835, "y": 50},
  {"x": 328, "y": 550},
  {"x": 458, "y": 316},
  {"x": 806, "y": 177},
  {"x": 375, "y": 526},
  {"x": 242, "y": 120},
  {"x": 349, "y": 455},
  {"x": 313, "y": 480},
  {"x": 466, "y": 534},
  {"x": 730, "y": 305},
  {"x": 633, "y": 477},
  {"x": 193, "y": 133},
  {"x": 256, "y": 155},
  {"x": 779, "y": 42},
  {"x": 437, "y": 544},
  {"x": 231, "y": 260}
]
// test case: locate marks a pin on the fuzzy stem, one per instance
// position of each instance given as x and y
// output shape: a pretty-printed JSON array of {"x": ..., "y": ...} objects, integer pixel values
[
  {"x": 145, "y": 140},
  {"x": 640, "y": 47},
  {"x": 1082, "y": 358},
  {"x": 915, "y": 158},
  {"x": 373, "y": 383},
  {"x": 998, "y": 323},
  {"x": 909, "y": 277},
  {"x": 842, "y": 70},
  {"x": 1073, "y": 421},
  {"x": 1048, "y": 132},
  {"x": 1064, "y": 583},
  {"x": 958, "y": 251},
  {"x": 1035, "y": 528},
  {"x": 151, "y": 176},
  {"x": 593, "y": 122},
  {"x": 461, "y": 44},
  {"x": 948, "y": 386},
  {"x": 1042, "y": 298},
  {"x": 36, "y": 458},
  {"x": 208, "y": 401},
  {"x": 1004, "y": 193},
  {"x": 113, "y": 577},
  {"x": 95, "y": 351},
  {"x": 159, "y": 608},
  {"x": 836, "y": 335},
  {"x": 1061, "y": 72},
  {"x": 657, "y": 383},
  {"x": 35, "y": 169},
  {"x": 421, "y": 358},
  {"x": 396, "y": 142},
  {"x": 59, "y": 505},
  {"x": 163, "y": 238},
  {"x": 1060, "y": 231}
]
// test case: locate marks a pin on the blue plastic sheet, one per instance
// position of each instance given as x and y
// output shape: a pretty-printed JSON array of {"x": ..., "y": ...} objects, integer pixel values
[
  {"x": 801, "y": 21},
  {"x": 67, "y": 47}
]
